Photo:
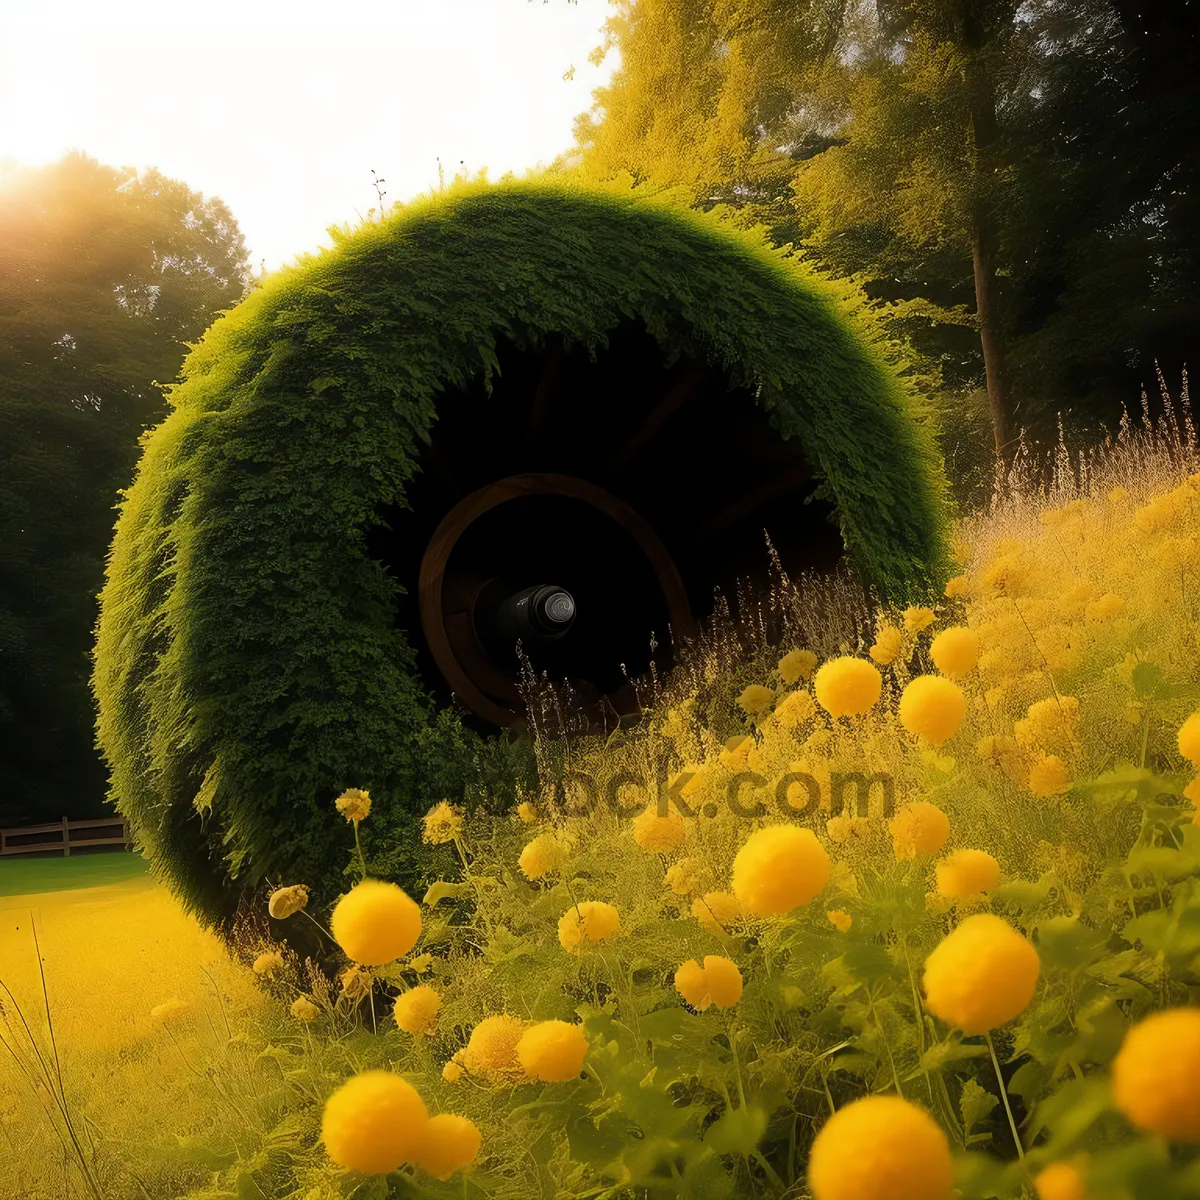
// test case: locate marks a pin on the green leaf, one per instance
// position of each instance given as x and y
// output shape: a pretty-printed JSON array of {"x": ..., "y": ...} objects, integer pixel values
[
  {"x": 442, "y": 890},
  {"x": 1068, "y": 943},
  {"x": 976, "y": 1104},
  {"x": 737, "y": 1132},
  {"x": 1150, "y": 682}
]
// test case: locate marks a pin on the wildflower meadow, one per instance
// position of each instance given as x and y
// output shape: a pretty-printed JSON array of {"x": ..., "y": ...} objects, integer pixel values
[{"x": 971, "y": 970}]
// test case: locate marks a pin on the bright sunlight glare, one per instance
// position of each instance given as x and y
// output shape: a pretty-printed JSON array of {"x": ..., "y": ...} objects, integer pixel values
[{"x": 283, "y": 109}]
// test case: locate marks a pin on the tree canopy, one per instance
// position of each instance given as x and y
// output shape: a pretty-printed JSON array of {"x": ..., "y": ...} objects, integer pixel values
[
  {"x": 105, "y": 274},
  {"x": 1015, "y": 182}
]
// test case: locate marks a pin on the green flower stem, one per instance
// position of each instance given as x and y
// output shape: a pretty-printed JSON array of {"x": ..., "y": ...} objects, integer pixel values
[
  {"x": 1004, "y": 1096},
  {"x": 362, "y": 862},
  {"x": 886, "y": 1045}
]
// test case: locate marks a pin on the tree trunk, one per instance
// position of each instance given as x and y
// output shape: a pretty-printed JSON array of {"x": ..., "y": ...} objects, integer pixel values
[
  {"x": 987, "y": 313},
  {"x": 985, "y": 136}
]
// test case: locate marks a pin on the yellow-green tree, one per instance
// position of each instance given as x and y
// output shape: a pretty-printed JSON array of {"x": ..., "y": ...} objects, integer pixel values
[{"x": 1013, "y": 182}]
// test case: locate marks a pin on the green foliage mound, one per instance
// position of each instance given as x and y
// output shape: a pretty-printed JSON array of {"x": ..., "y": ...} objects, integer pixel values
[{"x": 248, "y": 665}]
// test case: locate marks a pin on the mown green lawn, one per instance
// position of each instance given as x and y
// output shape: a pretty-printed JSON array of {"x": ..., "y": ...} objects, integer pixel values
[{"x": 24, "y": 876}]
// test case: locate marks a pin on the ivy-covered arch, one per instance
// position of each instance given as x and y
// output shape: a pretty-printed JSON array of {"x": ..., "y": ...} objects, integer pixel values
[{"x": 250, "y": 664}]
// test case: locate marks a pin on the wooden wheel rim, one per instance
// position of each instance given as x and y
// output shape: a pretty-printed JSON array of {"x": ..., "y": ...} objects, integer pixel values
[{"x": 449, "y": 656}]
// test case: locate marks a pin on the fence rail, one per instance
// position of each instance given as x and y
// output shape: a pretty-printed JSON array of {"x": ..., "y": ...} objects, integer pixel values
[{"x": 65, "y": 841}]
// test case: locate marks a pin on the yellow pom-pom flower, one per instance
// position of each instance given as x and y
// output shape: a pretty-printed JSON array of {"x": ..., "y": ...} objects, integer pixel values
[
  {"x": 491, "y": 1050},
  {"x": 933, "y": 708},
  {"x": 1156, "y": 1074},
  {"x": 955, "y": 651},
  {"x": 591, "y": 921},
  {"x": 796, "y": 665},
  {"x": 416, "y": 1010},
  {"x": 847, "y": 686},
  {"x": 451, "y": 1142},
  {"x": 717, "y": 982},
  {"x": 841, "y": 921},
  {"x": 966, "y": 874},
  {"x": 919, "y": 830},
  {"x": 981, "y": 976},
  {"x": 1060, "y": 1181},
  {"x": 354, "y": 804},
  {"x": 268, "y": 963},
  {"x": 755, "y": 699},
  {"x": 886, "y": 646},
  {"x": 690, "y": 984},
  {"x": 376, "y": 922},
  {"x": 717, "y": 911},
  {"x": 356, "y": 983},
  {"x": 1189, "y": 739},
  {"x": 918, "y": 618},
  {"x": 779, "y": 869},
  {"x": 881, "y": 1148},
  {"x": 659, "y": 832},
  {"x": 303, "y": 1009},
  {"x": 453, "y": 1071},
  {"x": 1053, "y": 722},
  {"x": 851, "y": 831},
  {"x": 956, "y": 587},
  {"x": 527, "y": 812},
  {"x": 374, "y": 1123},
  {"x": 1048, "y": 776},
  {"x": 541, "y": 856},
  {"x": 286, "y": 901},
  {"x": 552, "y": 1051},
  {"x": 441, "y": 824},
  {"x": 684, "y": 877}
]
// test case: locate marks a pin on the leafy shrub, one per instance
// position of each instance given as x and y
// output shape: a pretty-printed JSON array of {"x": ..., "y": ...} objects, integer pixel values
[{"x": 248, "y": 663}]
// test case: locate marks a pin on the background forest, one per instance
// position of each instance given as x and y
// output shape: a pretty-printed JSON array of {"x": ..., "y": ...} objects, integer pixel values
[{"x": 1013, "y": 185}]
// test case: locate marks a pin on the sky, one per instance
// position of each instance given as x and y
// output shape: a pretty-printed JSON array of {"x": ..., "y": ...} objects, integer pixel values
[{"x": 283, "y": 107}]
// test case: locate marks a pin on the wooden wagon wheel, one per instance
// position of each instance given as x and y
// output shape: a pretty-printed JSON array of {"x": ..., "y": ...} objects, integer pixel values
[{"x": 635, "y": 485}]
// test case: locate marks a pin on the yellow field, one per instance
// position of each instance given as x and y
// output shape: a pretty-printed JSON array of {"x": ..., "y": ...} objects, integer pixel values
[
  {"x": 993, "y": 956},
  {"x": 110, "y": 954}
]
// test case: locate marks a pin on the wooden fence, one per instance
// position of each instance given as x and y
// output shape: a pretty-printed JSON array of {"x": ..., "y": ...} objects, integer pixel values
[{"x": 109, "y": 831}]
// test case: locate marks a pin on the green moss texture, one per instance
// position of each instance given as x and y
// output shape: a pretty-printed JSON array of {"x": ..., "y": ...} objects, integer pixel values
[{"x": 248, "y": 665}]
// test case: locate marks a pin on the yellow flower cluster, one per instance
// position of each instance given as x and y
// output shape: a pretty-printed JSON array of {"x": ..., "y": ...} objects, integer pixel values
[
  {"x": 441, "y": 824},
  {"x": 756, "y": 699},
  {"x": 1156, "y": 1074},
  {"x": 919, "y": 830},
  {"x": 286, "y": 901},
  {"x": 659, "y": 832},
  {"x": 881, "y": 1148},
  {"x": 717, "y": 982},
  {"x": 376, "y": 1122},
  {"x": 886, "y": 647},
  {"x": 552, "y": 1051},
  {"x": 585, "y": 923},
  {"x": 354, "y": 804},
  {"x": 491, "y": 1051},
  {"x": 797, "y": 665},
  {"x": 955, "y": 651},
  {"x": 965, "y": 874},
  {"x": 543, "y": 855},
  {"x": 932, "y": 708}
]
